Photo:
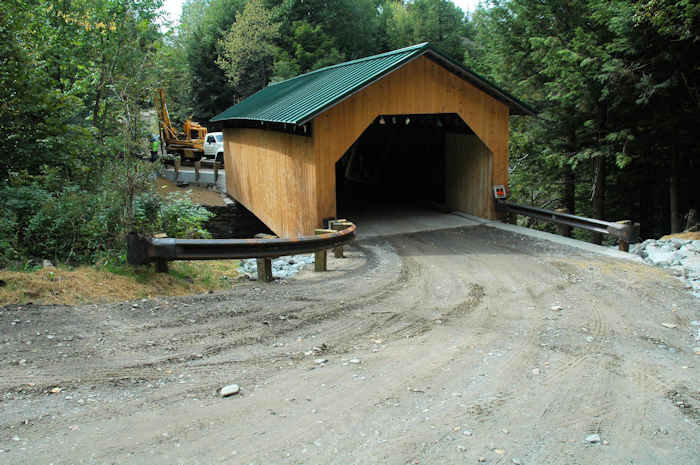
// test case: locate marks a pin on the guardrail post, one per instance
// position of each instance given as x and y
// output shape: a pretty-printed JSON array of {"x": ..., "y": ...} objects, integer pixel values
[
  {"x": 339, "y": 225},
  {"x": 623, "y": 243},
  {"x": 197, "y": 166},
  {"x": 177, "y": 164},
  {"x": 563, "y": 229},
  {"x": 321, "y": 256},
  {"x": 161, "y": 265},
  {"x": 264, "y": 266}
]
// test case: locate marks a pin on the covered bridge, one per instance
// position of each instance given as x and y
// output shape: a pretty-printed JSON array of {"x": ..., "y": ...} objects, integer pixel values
[{"x": 404, "y": 126}]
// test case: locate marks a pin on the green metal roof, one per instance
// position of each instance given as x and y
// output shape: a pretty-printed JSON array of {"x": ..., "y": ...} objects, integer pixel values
[{"x": 300, "y": 99}]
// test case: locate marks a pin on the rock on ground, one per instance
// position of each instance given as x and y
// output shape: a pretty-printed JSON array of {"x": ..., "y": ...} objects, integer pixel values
[
  {"x": 230, "y": 390},
  {"x": 681, "y": 256}
]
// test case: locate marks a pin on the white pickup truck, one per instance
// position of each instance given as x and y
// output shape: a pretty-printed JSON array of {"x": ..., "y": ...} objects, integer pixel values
[{"x": 214, "y": 146}]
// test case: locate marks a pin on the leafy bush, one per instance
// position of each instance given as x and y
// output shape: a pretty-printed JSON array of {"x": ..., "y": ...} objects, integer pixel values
[
  {"x": 176, "y": 216},
  {"x": 41, "y": 218},
  {"x": 8, "y": 236},
  {"x": 180, "y": 217},
  {"x": 65, "y": 228}
]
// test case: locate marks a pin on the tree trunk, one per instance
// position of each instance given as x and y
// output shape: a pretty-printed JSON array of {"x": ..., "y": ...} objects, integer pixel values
[
  {"x": 674, "y": 191},
  {"x": 598, "y": 194}
]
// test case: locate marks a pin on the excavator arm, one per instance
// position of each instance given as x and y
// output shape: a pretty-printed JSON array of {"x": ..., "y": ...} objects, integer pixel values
[{"x": 188, "y": 143}]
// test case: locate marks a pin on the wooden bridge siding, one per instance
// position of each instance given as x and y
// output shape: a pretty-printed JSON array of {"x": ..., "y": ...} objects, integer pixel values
[
  {"x": 421, "y": 86},
  {"x": 468, "y": 174},
  {"x": 273, "y": 175}
]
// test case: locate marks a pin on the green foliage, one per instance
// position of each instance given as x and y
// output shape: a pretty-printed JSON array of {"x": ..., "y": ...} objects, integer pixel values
[
  {"x": 248, "y": 50},
  {"x": 440, "y": 22},
  {"x": 76, "y": 78},
  {"x": 313, "y": 48},
  {"x": 227, "y": 49},
  {"x": 617, "y": 96},
  {"x": 9, "y": 236},
  {"x": 77, "y": 225},
  {"x": 202, "y": 85},
  {"x": 54, "y": 225},
  {"x": 176, "y": 216},
  {"x": 180, "y": 217}
]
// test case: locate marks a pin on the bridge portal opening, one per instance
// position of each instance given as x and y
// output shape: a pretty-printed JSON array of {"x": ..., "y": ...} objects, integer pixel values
[{"x": 406, "y": 165}]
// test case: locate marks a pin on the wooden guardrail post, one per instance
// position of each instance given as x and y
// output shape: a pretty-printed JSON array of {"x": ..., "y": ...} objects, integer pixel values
[
  {"x": 563, "y": 229},
  {"x": 339, "y": 225},
  {"x": 264, "y": 266},
  {"x": 321, "y": 256},
  {"x": 623, "y": 243},
  {"x": 176, "y": 163},
  {"x": 161, "y": 265},
  {"x": 197, "y": 167}
]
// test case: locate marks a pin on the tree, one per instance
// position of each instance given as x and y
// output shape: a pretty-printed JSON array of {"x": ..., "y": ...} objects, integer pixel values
[
  {"x": 203, "y": 24},
  {"x": 595, "y": 70},
  {"x": 248, "y": 49},
  {"x": 440, "y": 22}
]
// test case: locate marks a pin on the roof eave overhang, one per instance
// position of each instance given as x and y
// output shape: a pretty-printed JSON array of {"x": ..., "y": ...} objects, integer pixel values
[
  {"x": 360, "y": 88},
  {"x": 516, "y": 106}
]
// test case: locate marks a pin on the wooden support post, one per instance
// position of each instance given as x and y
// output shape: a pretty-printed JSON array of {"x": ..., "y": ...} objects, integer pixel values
[
  {"x": 264, "y": 266},
  {"x": 320, "y": 256},
  {"x": 623, "y": 244},
  {"x": 197, "y": 166},
  {"x": 339, "y": 225},
  {"x": 563, "y": 229},
  {"x": 216, "y": 170},
  {"x": 320, "y": 261},
  {"x": 177, "y": 164},
  {"x": 161, "y": 265}
]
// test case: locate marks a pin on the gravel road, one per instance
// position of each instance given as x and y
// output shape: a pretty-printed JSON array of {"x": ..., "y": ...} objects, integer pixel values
[{"x": 450, "y": 347}]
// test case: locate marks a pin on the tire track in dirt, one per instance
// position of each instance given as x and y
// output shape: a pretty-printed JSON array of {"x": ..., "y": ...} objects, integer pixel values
[{"x": 321, "y": 311}]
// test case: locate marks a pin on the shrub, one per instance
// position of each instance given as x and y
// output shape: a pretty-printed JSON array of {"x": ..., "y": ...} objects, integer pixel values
[
  {"x": 74, "y": 225},
  {"x": 64, "y": 228},
  {"x": 180, "y": 217},
  {"x": 8, "y": 237}
]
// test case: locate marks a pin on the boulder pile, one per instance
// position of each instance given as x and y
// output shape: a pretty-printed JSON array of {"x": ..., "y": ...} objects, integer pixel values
[{"x": 680, "y": 256}]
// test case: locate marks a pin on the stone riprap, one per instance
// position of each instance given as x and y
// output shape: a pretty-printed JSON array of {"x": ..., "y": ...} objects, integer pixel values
[
  {"x": 681, "y": 256},
  {"x": 283, "y": 267}
]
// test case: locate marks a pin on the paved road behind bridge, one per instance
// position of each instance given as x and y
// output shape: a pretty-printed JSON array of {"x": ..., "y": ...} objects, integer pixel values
[{"x": 450, "y": 346}]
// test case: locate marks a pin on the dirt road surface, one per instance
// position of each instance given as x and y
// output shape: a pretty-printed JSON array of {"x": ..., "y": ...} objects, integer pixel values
[{"x": 447, "y": 347}]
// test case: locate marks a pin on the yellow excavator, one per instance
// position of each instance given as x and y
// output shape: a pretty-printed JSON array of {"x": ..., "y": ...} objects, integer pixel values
[{"x": 188, "y": 143}]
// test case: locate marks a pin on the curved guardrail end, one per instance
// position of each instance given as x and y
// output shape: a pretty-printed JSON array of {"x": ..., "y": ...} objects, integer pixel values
[
  {"x": 137, "y": 249},
  {"x": 143, "y": 250}
]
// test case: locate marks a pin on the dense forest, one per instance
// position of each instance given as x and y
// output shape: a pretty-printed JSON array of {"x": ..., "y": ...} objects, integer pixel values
[{"x": 615, "y": 83}]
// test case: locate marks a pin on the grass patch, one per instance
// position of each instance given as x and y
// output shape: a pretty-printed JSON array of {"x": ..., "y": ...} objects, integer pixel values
[{"x": 114, "y": 283}]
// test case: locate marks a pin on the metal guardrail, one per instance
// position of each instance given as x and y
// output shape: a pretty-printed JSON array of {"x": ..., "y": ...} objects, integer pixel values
[
  {"x": 143, "y": 250},
  {"x": 625, "y": 231}
]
